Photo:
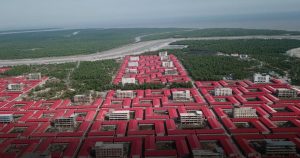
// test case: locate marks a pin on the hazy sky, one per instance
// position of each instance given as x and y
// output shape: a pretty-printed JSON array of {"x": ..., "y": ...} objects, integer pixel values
[{"x": 18, "y": 14}]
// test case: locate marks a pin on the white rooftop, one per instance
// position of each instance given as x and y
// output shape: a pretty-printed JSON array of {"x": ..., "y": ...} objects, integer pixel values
[
  {"x": 121, "y": 111},
  {"x": 191, "y": 114},
  {"x": 110, "y": 145},
  {"x": 6, "y": 114}
]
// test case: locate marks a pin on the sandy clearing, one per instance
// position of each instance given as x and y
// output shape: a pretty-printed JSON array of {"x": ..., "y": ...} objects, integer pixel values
[{"x": 294, "y": 52}]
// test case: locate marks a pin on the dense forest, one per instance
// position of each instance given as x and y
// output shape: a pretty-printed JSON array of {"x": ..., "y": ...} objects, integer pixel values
[
  {"x": 59, "y": 71},
  {"x": 55, "y": 87},
  {"x": 210, "y": 32},
  {"x": 86, "y": 41},
  {"x": 68, "y": 42},
  {"x": 69, "y": 79},
  {"x": 272, "y": 53},
  {"x": 217, "y": 67},
  {"x": 96, "y": 75}
]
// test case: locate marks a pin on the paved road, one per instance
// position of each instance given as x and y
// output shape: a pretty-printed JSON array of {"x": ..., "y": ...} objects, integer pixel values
[{"x": 130, "y": 49}]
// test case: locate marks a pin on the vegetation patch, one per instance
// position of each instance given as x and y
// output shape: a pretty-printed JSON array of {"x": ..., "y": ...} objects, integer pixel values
[
  {"x": 68, "y": 42},
  {"x": 268, "y": 55},
  {"x": 211, "y": 32}
]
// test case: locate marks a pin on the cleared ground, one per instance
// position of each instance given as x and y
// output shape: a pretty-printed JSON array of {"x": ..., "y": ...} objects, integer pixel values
[{"x": 294, "y": 52}]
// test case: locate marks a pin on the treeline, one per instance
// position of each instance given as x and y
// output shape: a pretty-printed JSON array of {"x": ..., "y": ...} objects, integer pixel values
[
  {"x": 271, "y": 52},
  {"x": 210, "y": 32},
  {"x": 295, "y": 72},
  {"x": 68, "y": 42},
  {"x": 217, "y": 67},
  {"x": 96, "y": 75},
  {"x": 53, "y": 70}
]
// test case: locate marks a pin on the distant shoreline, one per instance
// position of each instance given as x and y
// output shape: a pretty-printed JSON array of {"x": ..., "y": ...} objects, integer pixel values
[
  {"x": 29, "y": 31},
  {"x": 129, "y": 49}
]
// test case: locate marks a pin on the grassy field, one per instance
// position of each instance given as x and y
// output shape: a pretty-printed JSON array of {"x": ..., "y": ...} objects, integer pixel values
[
  {"x": 217, "y": 32},
  {"x": 67, "y": 42}
]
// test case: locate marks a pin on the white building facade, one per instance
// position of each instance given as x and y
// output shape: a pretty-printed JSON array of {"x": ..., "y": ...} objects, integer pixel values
[
  {"x": 109, "y": 150},
  {"x": 171, "y": 72},
  {"x": 66, "y": 121},
  {"x": 131, "y": 71},
  {"x": 15, "y": 87},
  {"x": 119, "y": 115},
  {"x": 286, "y": 93},
  {"x": 129, "y": 80},
  {"x": 164, "y": 53},
  {"x": 181, "y": 96},
  {"x": 261, "y": 78},
  {"x": 134, "y": 58},
  {"x": 34, "y": 76},
  {"x": 125, "y": 94},
  {"x": 280, "y": 148},
  {"x": 223, "y": 91},
  {"x": 81, "y": 98},
  {"x": 133, "y": 64},
  {"x": 6, "y": 118},
  {"x": 167, "y": 64},
  {"x": 191, "y": 119},
  {"x": 244, "y": 112}
]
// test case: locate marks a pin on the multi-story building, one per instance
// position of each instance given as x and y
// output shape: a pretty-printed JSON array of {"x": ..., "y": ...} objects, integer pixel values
[
  {"x": 244, "y": 56},
  {"x": 234, "y": 55},
  {"x": 244, "y": 112},
  {"x": 128, "y": 80},
  {"x": 6, "y": 118},
  {"x": 223, "y": 91},
  {"x": 192, "y": 119},
  {"x": 125, "y": 94},
  {"x": 134, "y": 58},
  {"x": 202, "y": 153},
  {"x": 109, "y": 150},
  {"x": 181, "y": 96},
  {"x": 83, "y": 98},
  {"x": 133, "y": 64},
  {"x": 131, "y": 71},
  {"x": 164, "y": 53},
  {"x": 280, "y": 148},
  {"x": 261, "y": 78},
  {"x": 119, "y": 115},
  {"x": 171, "y": 72},
  {"x": 167, "y": 64},
  {"x": 164, "y": 56},
  {"x": 286, "y": 93},
  {"x": 65, "y": 121},
  {"x": 3, "y": 98},
  {"x": 15, "y": 87},
  {"x": 34, "y": 76}
]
